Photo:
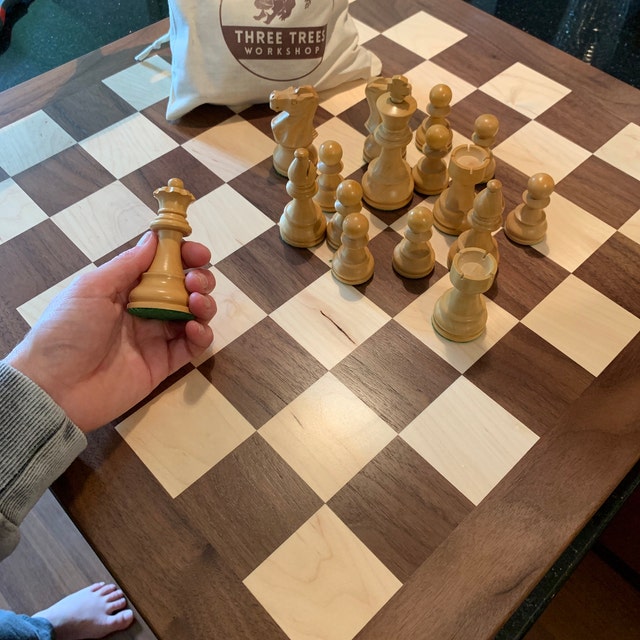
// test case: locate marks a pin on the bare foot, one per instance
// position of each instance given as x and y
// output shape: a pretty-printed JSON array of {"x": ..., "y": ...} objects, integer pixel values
[{"x": 93, "y": 612}]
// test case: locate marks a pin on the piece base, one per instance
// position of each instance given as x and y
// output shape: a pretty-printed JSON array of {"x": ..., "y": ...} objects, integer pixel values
[{"x": 160, "y": 314}]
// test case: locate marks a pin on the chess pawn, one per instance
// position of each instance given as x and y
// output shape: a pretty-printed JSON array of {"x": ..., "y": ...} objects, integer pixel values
[
  {"x": 460, "y": 314},
  {"x": 388, "y": 184},
  {"x": 467, "y": 166},
  {"x": 161, "y": 293},
  {"x": 348, "y": 200},
  {"x": 302, "y": 223},
  {"x": 527, "y": 223},
  {"x": 430, "y": 175},
  {"x": 485, "y": 130},
  {"x": 413, "y": 256},
  {"x": 293, "y": 127},
  {"x": 353, "y": 262},
  {"x": 484, "y": 219},
  {"x": 329, "y": 168},
  {"x": 438, "y": 109},
  {"x": 374, "y": 89}
]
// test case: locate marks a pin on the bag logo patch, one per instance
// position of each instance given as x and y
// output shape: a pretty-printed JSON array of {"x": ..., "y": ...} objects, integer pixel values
[{"x": 263, "y": 34}]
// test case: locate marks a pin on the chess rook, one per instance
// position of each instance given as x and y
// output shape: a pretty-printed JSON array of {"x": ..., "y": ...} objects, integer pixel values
[
  {"x": 467, "y": 167},
  {"x": 161, "y": 293},
  {"x": 388, "y": 184},
  {"x": 293, "y": 127},
  {"x": 460, "y": 314},
  {"x": 302, "y": 223},
  {"x": 527, "y": 223},
  {"x": 413, "y": 256}
]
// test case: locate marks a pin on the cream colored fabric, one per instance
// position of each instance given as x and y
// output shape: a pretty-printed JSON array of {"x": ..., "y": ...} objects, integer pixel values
[{"x": 235, "y": 52}]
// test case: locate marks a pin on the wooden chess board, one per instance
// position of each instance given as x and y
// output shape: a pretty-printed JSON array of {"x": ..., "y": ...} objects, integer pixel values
[{"x": 331, "y": 468}]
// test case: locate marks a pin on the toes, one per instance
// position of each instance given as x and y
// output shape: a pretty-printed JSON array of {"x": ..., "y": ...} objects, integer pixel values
[
  {"x": 107, "y": 589},
  {"x": 116, "y": 605},
  {"x": 120, "y": 620}
]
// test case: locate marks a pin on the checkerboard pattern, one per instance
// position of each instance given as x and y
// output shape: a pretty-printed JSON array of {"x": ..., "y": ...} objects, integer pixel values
[{"x": 330, "y": 440}]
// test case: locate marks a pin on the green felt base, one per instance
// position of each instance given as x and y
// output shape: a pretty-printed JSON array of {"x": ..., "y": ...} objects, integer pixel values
[{"x": 160, "y": 314}]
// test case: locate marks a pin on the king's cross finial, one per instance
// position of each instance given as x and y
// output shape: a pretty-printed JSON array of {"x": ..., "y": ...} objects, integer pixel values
[{"x": 400, "y": 89}]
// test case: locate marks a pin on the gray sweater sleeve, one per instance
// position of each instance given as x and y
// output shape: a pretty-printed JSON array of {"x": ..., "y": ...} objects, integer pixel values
[{"x": 37, "y": 443}]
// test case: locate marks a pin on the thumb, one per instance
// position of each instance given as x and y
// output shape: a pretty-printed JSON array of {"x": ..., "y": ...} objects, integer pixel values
[{"x": 122, "y": 272}]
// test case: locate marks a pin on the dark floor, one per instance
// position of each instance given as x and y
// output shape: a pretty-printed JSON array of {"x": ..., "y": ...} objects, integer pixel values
[{"x": 42, "y": 34}]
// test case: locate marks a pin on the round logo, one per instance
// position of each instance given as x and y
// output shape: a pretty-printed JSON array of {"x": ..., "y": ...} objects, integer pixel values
[{"x": 278, "y": 40}]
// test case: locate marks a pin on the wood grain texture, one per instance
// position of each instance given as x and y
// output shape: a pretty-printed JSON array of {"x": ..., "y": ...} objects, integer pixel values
[
  {"x": 262, "y": 371},
  {"x": 270, "y": 270},
  {"x": 524, "y": 520},
  {"x": 396, "y": 375},
  {"x": 52, "y": 561}
]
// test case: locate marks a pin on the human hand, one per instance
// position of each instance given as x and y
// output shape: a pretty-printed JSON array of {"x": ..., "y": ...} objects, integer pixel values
[{"x": 95, "y": 359}]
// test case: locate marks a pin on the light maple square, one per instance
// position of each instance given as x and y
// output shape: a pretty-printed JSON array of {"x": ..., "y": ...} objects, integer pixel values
[
  {"x": 623, "y": 150},
  {"x": 322, "y": 582},
  {"x": 142, "y": 84},
  {"x": 105, "y": 220},
  {"x": 469, "y": 438},
  {"x": 17, "y": 150},
  {"x": 224, "y": 221},
  {"x": 330, "y": 319},
  {"x": 573, "y": 234},
  {"x": 425, "y": 35},
  {"x": 128, "y": 145},
  {"x": 525, "y": 90},
  {"x": 236, "y": 314},
  {"x": 184, "y": 432},
  {"x": 18, "y": 212},
  {"x": 231, "y": 147},
  {"x": 327, "y": 435},
  {"x": 535, "y": 148},
  {"x": 416, "y": 318},
  {"x": 583, "y": 323}
]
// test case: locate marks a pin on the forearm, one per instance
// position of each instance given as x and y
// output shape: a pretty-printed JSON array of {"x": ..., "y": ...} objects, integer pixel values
[{"x": 37, "y": 443}]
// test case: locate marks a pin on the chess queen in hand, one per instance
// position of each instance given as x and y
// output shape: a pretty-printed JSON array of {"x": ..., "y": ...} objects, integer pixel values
[{"x": 95, "y": 359}]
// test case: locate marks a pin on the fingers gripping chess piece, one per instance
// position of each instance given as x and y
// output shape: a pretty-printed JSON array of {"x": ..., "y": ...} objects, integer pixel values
[
  {"x": 161, "y": 293},
  {"x": 430, "y": 173},
  {"x": 460, "y": 314},
  {"x": 485, "y": 130},
  {"x": 388, "y": 184},
  {"x": 467, "y": 165},
  {"x": 413, "y": 256},
  {"x": 329, "y": 168},
  {"x": 485, "y": 218},
  {"x": 348, "y": 200},
  {"x": 527, "y": 223},
  {"x": 438, "y": 109},
  {"x": 293, "y": 127},
  {"x": 353, "y": 262},
  {"x": 302, "y": 223}
]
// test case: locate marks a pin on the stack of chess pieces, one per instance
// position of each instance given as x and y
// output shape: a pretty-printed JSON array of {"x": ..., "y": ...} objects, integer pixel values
[{"x": 316, "y": 187}]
